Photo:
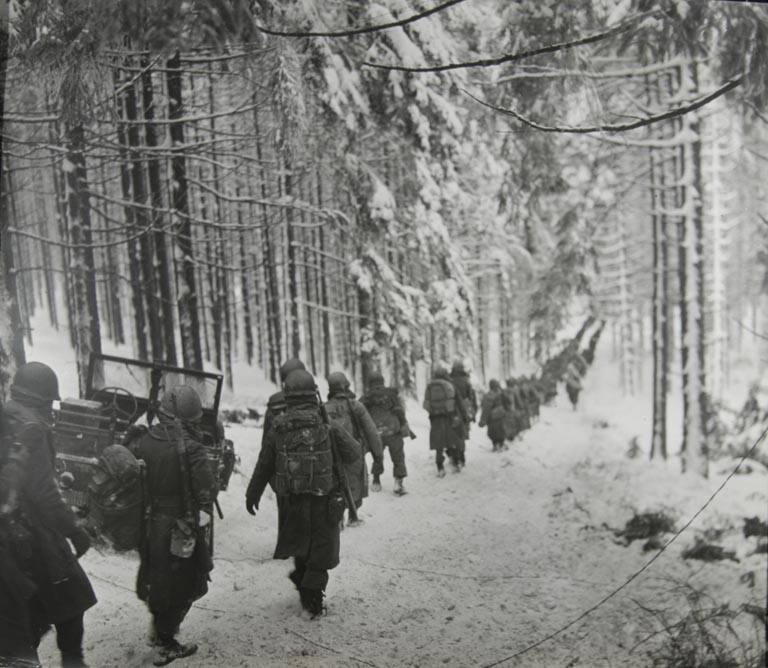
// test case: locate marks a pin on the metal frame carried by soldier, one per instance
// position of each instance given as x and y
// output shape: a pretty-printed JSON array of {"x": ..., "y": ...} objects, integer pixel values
[{"x": 304, "y": 455}]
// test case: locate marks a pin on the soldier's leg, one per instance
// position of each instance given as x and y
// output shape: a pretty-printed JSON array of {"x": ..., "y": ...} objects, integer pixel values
[
  {"x": 397, "y": 455},
  {"x": 297, "y": 574},
  {"x": 440, "y": 461},
  {"x": 69, "y": 639},
  {"x": 168, "y": 621}
]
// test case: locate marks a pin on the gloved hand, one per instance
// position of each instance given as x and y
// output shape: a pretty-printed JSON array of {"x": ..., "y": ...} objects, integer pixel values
[
  {"x": 81, "y": 540},
  {"x": 412, "y": 435},
  {"x": 251, "y": 505}
]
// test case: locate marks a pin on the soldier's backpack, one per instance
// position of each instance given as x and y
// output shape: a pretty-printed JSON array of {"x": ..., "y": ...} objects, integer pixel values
[
  {"x": 116, "y": 497},
  {"x": 383, "y": 406},
  {"x": 441, "y": 396},
  {"x": 304, "y": 461}
]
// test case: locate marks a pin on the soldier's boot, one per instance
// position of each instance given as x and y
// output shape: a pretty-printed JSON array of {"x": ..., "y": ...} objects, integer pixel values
[
  {"x": 376, "y": 484},
  {"x": 315, "y": 605},
  {"x": 399, "y": 489},
  {"x": 296, "y": 577},
  {"x": 355, "y": 523},
  {"x": 440, "y": 472},
  {"x": 170, "y": 650},
  {"x": 73, "y": 661}
]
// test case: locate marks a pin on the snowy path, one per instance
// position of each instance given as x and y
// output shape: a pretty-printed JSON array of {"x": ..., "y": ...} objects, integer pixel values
[{"x": 462, "y": 571}]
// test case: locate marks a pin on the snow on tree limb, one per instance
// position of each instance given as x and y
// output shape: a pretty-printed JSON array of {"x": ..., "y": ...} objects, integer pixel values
[
  {"x": 620, "y": 127},
  {"x": 522, "y": 55},
  {"x": 360, "y": 31}
]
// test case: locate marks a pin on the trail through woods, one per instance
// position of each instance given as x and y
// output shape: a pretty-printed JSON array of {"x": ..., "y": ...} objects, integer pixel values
[{"x": 465, "y": 570}]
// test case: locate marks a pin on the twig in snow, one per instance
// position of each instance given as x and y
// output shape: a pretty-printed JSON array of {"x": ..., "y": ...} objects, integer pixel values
[{"x": 330, "y": 649}]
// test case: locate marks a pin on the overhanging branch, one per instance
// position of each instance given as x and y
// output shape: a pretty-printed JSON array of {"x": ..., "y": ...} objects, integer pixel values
[{"x": 621, "y": 127}]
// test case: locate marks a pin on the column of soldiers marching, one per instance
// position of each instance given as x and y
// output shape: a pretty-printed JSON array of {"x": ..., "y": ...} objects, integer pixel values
[{"x": 312, "y": 456}]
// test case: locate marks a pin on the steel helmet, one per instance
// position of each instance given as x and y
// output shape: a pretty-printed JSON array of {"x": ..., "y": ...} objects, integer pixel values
[
  {"x": 293, "y": 364},
  {"x": 35, "y": 380},
  {"x": 300, "y": 383},
  {"x": 337, "y": 382},
  {"x": 182, "y": 402},
  {"x": 375, "y": 379}
]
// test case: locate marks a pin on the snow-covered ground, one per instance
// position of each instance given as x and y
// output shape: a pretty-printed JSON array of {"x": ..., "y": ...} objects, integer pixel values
[{"x": 464, "y": 570}]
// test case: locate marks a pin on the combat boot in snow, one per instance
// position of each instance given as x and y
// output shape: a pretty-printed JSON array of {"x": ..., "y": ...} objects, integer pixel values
[
  {"x": 399, "y": 489},
  {"x": 171, "y": 650},
  {"x": 376, "y": 484},
  {"x": 312, "y": 601},
  {"x": 440, "y": 472}
]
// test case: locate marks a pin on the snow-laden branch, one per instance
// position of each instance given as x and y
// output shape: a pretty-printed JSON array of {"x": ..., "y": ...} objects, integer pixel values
[
  {"x": 360, "y": 31},
  {"x": 522, "y": 55},
  {"x": 619, "y": 127}
]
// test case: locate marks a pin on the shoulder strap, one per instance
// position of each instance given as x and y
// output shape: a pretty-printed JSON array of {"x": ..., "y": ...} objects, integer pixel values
[
  {"x": 186, "y": 487},
  {"x": 356, "y": 429}
]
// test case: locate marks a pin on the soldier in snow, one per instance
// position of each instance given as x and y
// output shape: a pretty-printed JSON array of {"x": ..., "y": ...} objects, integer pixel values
[
  {"x": 305, "y": 456},
  {"x": 388, "y": 412},
  {"x": 465, "y": 394},
  {"x": 52, "y": 588},
  {"x": 348, "y": 413},
  {"x": 175, "y": 559},
  {"x": 446, "y": 418},
  {"x": 495, "y": 409}
]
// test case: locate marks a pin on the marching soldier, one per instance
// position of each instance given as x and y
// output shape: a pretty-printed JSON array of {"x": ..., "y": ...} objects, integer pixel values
[
  {"x": 305, "y": 456},
  {"x": 40, "y": 524},
  {"x": 465, "y": 394},
  {"x": 446, "y": 418},
  {"x": 388, "y": 412},
  {"x": 344, "y": 410},
  {"x": 495, "y": 409},
  {"x": 175, "y": 559}
]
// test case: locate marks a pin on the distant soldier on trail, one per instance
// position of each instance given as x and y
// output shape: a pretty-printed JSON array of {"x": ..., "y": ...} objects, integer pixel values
[
  {"x": 352, "y": 416},
  {"x": 305, "y": 456},
  {"x": 446, "y": 419},
  {"x": 495, "y": 409},
  {"x": 38, "y": 524},
  {"x": 388, "y": 412},
  {"x": 572, "y": 380},
  {"x": 465, "y": 394},
  {"x": 175, "y": 559},
  {"x": 517, "y": 419}
]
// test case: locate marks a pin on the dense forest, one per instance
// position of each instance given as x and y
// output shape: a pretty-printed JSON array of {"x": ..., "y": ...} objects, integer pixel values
[{"x": 382, "y": 184}]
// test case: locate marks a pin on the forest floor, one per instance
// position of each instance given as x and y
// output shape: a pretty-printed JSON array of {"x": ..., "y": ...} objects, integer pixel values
[{"x": 469, "y": 569}]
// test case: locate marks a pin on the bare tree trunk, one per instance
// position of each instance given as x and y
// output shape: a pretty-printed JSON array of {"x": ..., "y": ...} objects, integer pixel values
[
  {"x": 324, "y": 315},
  {"x": 659, "y": 299},
  {"x": 274, "y": 331},
  {"x": 164, "y": 271},
  {"x": 87, "y": 314},
  {"x": 293, "y": 287},
  {"x": 11, "y": 331},
  {"x": 143, "y": 222},
  {"x": 188, "y": 316},
  {"x": 134, "y": 267},
  {"x": 690, "y": 272}
]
